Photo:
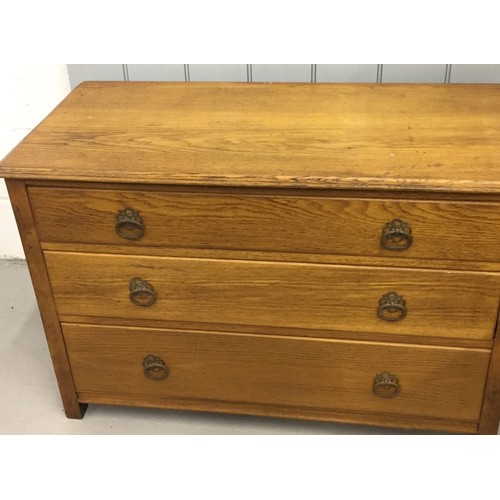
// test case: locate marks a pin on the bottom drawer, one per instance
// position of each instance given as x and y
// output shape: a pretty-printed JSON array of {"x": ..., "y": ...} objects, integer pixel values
[{"x": 163, "y": 365}]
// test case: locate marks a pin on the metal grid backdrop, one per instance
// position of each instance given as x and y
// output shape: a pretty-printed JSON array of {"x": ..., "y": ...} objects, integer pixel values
[{"x": 369, "y": 73}]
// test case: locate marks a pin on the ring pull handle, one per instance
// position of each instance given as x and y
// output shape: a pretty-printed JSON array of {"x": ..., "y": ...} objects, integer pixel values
[
  {"x": 386, "y": 385},
  {"x": 392, "y": 307},
  {"x": 129, "y": 224},
  {"x": 396, "y": 235},
  {"x": 155, "y": 368},
  {"x": 142, "y": 292}
]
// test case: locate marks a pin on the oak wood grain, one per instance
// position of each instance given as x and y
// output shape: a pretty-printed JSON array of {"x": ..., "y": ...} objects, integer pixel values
[
  {"x": 211, "y": 253},
  {"x": 490, "y": 414},
  {"x": 348, "y": 226},
  {"x": 308, "y": 373},
  {"x": 276, "y": 190},
  {"x": 349, "y": 136},
  {"x": 273, "y": 410},
  {"x": 279, "y": 331},
  {"x": 443, "y": 304},
  {"x": 43, "y": 292}
]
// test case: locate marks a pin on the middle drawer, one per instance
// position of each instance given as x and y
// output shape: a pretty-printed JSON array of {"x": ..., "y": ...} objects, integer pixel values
[{"x": 361, "y": 299}]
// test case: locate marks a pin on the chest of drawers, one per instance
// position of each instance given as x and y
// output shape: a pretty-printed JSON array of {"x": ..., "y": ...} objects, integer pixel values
[{"x": 320, "y": 251}]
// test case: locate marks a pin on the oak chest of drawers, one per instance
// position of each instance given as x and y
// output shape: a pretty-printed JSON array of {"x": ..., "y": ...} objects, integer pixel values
[{"x": 318, "y": 251}]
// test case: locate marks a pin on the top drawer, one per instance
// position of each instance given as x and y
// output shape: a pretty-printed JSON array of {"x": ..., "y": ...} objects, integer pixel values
[{"x": 275, "y": 223}]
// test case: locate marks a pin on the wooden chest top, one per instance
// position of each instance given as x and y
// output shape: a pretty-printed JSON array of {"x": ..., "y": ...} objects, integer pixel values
[{"x": 439, "y": 138}]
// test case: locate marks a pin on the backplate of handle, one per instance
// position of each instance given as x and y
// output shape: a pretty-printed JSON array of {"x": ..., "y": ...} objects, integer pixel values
[
  {"x": 129, "y": 224},
  {"x": 155, "y": 368},
  {"x": 396, "y": 235},
  {"x": 142, "y": 292}
]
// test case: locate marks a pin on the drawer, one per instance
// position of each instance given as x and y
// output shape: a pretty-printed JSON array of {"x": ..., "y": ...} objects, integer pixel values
[
  {"x": 439, "y": 230},
  {"x": 167, "y": 365},
  {"x": 427, "y": 303}
]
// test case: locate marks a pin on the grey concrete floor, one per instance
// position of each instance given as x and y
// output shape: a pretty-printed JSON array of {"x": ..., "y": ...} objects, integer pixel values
[{"x": 30, "y": 402}]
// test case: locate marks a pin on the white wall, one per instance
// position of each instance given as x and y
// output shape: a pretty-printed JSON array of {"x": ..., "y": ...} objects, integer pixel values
[
  {"x": 27, "y": 94},
  {"x": 369, "y": 73}
]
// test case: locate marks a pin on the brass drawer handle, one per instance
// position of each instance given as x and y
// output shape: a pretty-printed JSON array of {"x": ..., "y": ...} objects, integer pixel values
[
  {"x": 396, "y": 235},
  {"x": 155, "y": 368},
  {"x": 129, "y": 224},
  {"x": 392, "y": 307},
  {"x": 141, "y": 292},
  {"x": 386, "y": 385}
]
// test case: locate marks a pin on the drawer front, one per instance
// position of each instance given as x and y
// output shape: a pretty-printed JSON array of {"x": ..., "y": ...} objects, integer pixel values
[
  {"x": 360, "y": 227},
  {"x": 428, "y": 303},
  {"x": 330, "y": 374}
]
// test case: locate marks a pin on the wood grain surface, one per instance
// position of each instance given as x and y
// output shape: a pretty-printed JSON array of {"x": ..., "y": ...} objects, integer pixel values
[
  {"x": 280, "y": 331},
  {"x": 43, "y": 292},
  {"x": 311, "y": 258},
  {"x": 443, "y": 304},
  {"x": 280, "y": 411},
  {"x": 490, "y": 413},
  {"x": 325, "y": 374},
  {"x": 352, "y": 136},
  {"x": 346, "y": 226},
  {"x": 274, "y": 410}
]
